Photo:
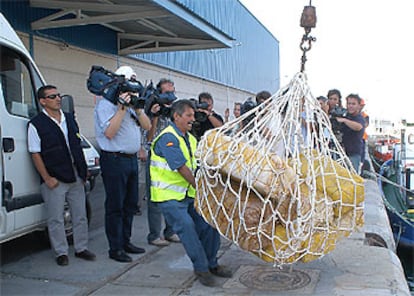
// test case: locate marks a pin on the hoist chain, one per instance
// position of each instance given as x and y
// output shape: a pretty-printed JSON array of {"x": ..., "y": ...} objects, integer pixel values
[{"x": 307, "y": 21}]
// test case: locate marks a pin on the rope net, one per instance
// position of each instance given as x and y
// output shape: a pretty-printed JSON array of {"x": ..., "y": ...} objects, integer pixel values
[{"x": 276, "y": 182}]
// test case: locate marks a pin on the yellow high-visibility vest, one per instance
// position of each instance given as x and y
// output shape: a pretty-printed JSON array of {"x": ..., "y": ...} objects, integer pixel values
[{"x": 167, "y": 184}]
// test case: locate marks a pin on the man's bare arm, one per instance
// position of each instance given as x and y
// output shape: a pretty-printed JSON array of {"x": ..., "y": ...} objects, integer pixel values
[
  {"x": 50, "y": 181},
  {"x": 187, "y": 174}
]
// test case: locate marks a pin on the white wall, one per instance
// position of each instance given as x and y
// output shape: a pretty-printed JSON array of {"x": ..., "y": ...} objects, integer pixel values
[{"x": 68, "y": 68}]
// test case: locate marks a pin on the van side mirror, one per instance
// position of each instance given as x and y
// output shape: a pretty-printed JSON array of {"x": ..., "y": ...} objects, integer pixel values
[{"x": 67, "y": 104}]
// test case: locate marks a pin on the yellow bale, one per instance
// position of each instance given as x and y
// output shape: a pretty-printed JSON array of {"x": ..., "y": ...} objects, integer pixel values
[
  {"x": 284, "y": 249},
  {"x": 267, "y": 172},
  {"x": 253, "y": 199},
  {"x": 338, "y": 182},
  {"x": 319, "y": 244}
]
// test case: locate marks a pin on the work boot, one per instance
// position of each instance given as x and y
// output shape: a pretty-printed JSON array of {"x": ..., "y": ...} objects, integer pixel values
[
  {"x": 221, "y": 271},
  {"x": 206, "y": 279}
]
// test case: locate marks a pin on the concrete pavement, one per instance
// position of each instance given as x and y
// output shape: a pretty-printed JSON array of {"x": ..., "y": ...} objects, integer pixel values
[{"x": 353, "y": 268}]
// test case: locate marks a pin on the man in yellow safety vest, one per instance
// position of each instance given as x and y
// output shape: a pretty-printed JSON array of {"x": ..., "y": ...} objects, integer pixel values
[{"x": 172, "y": 168}]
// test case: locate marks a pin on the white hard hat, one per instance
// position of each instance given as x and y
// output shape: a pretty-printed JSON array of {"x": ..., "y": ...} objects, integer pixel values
[{"x": 126, "y": 71}]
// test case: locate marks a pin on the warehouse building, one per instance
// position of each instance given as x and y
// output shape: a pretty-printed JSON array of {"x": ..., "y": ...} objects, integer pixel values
[{"x": 216, "y": 46}]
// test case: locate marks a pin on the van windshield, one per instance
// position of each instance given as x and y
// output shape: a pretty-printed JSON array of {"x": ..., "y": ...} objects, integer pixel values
[{"x": 18, "y": 83}]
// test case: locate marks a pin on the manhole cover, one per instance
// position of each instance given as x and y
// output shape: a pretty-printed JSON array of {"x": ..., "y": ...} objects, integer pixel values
[{"x": 264, "y": 278}]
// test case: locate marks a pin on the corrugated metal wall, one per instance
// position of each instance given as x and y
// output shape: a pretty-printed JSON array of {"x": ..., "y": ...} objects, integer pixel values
[{"x": 253, "y": 62}]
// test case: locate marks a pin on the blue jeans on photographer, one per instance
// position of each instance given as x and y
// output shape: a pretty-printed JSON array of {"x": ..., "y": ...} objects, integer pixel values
[
  {"x": 200, "y": 240},
  {"x": 154, "y": 213},
  {"x": 356, "y": 162}
]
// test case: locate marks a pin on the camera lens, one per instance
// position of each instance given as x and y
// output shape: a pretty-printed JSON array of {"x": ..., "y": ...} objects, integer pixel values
[{"x": 200, "y": 116}]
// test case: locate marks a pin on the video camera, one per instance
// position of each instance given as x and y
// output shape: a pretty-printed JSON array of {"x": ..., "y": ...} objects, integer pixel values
[
  {"x": 153, "y": 96},
  {"x": 110, "y": 85},
  {"x": 198, "y": 115},
  {"x": 336, "y": 112}
]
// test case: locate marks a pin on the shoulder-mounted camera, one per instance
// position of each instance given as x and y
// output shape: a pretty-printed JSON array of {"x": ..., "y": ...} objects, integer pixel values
[{"x": 110, "y": 85}]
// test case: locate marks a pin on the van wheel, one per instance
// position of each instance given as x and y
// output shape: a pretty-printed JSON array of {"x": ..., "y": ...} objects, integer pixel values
[{"x": 67, "y": 219}]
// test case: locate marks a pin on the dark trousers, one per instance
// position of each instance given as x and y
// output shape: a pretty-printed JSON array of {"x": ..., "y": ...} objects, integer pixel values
[{"x": 120, "y": 178}]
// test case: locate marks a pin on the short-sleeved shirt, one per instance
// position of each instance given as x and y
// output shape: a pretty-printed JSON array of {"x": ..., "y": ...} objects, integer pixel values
[
  {"x": 168, "y": 147},
  {"x": 128, "y": 137},
  {"x": 352, "y": 140}
]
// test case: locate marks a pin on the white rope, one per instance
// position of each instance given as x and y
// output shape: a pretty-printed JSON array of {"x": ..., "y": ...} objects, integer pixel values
[{"x": 278, "y": 187}]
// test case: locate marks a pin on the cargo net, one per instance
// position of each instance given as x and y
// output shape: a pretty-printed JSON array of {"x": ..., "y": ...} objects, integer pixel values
[{"x": 276, "y": 182}]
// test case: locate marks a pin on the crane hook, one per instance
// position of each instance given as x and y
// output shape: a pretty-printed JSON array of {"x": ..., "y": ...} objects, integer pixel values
[{"x": 307, "y": 21}]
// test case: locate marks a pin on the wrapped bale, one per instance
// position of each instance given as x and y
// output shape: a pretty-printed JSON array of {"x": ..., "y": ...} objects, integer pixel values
[
  {"x": 270, "y": 175},
  {"x": 243, "y": 220}
]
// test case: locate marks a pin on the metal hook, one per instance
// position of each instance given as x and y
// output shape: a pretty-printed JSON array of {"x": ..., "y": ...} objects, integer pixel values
[{"x": 307, "y": 21}]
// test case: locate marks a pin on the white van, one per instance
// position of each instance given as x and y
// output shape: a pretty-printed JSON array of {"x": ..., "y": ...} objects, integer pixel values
[{"x": 22, "y": 209}]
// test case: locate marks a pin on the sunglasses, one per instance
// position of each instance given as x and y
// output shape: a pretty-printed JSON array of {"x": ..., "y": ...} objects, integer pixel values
[{"x": 52, "y": 97}]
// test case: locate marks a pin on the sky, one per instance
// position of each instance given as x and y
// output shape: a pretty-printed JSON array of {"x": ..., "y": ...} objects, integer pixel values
[{"x": 363, "y": 46}]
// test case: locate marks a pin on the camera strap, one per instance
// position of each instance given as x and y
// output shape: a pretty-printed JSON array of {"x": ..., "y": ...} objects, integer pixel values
[{"x": 134, "y": 116}]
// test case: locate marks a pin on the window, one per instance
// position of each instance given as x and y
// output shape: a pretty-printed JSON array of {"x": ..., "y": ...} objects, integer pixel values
[{"x": 18, "y": 89}]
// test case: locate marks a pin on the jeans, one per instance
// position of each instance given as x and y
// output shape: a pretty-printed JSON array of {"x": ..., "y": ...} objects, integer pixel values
[
  {"x": 155, "y": 222},
  {"x": 120, "y": 178},
  {"x": 200, "y": 240},
  {"x": 154, "y": 213},
  {"x": 356, "y": 161}
]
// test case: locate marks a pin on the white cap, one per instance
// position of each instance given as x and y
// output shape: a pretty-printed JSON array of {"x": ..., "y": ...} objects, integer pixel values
[{"x": 126, "y": 71}]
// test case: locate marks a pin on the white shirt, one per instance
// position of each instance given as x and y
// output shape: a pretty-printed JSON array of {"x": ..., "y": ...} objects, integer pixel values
[{"x": 33, "y": 139}]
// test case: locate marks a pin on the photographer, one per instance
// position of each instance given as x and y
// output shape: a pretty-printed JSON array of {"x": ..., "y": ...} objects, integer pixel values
[
  {"x": 334, "y": 99},
  {"x": 206, "y": 118},
  {"x": 160, "y": 119},
  {"x": 117, "y": 128},
  {"x": 353, "y": 126}
]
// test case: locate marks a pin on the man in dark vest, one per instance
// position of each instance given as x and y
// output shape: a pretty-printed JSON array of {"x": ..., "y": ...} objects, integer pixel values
[{"x": 54, "y": 143}]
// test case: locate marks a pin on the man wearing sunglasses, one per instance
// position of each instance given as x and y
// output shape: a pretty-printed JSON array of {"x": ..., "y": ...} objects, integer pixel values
[{"x": 54, "y": 144}]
